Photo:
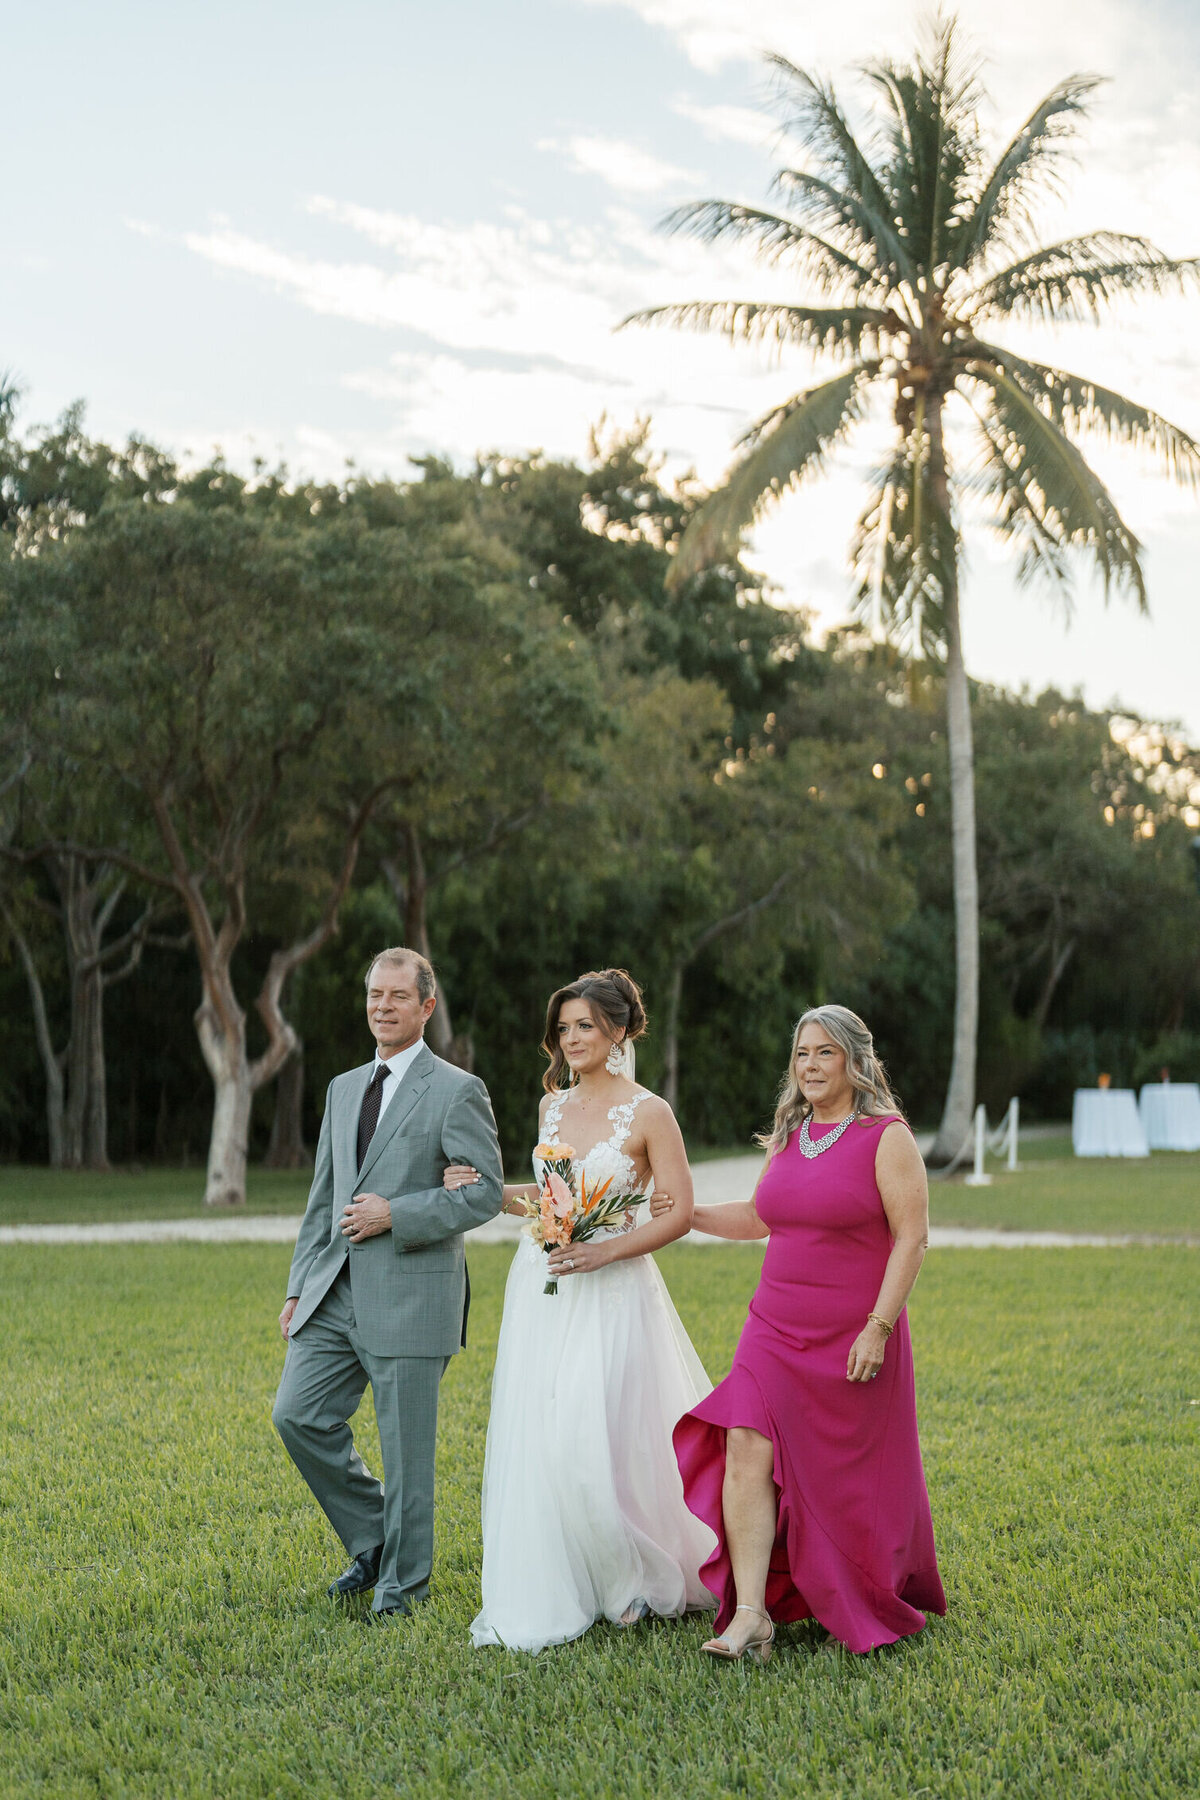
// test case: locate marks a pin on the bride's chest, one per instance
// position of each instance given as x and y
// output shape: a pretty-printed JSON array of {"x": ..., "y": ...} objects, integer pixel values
[{"x": 615, "y": 1158}]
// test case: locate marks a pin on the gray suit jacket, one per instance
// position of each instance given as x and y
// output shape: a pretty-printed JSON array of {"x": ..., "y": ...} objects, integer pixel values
[{"x": 409, "y": 1284}]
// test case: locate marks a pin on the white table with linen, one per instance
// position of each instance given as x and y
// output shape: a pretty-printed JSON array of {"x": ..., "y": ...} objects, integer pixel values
[
  {"x": 1170, "y": 1113},
  {"x": 1106, "y": 1122}
]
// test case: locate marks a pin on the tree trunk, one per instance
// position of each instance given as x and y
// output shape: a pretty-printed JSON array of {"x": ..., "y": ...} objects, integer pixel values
[
  {"x": 225, "y": 1182},
  {"x": 940, "y": 531},
  {"x": 95, "y": 1124},
  {"x": 51, "y": 1063},
  {"x": 671, "y": 1038},
  {"x": 1058, "y": 964},
  {"x": 86, "y": 904},
  {"x": 286, "y": 1149},
  {"x": 411, "y": 894},
  {"x": 960, "y": 1094},
  {"x": 221, "y": 1029}
]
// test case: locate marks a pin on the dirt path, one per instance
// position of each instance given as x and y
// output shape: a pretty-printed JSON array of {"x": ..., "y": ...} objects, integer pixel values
[{"x": 725, "y": 1178}]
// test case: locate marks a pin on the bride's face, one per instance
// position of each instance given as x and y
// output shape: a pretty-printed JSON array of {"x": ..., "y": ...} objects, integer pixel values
[{"x": 583, "y": 1043}]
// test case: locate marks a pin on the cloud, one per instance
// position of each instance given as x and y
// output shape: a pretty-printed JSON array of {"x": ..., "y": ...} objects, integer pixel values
[
  {"x": 503, "y": 330},
  {"x": 732, "y": 124},
  {"x": 713, "y": 34},
  {"x": 622, "y": 165},
  {"x": 498, "y": 333}
]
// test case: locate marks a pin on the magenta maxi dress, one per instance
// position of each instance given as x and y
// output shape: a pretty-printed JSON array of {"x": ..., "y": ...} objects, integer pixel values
[{"x": 854, "y": 1548}]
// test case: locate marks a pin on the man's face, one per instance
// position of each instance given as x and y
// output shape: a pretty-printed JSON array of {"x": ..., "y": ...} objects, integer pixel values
[{"x": 395, "y": 1011}]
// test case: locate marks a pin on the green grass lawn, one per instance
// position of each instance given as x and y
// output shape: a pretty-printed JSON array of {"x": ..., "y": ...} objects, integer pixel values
[
  {"x": 31, "y": 1196},
  {"x": 1054, "y": 1191},
  {"x": 164, "y": 1631}
]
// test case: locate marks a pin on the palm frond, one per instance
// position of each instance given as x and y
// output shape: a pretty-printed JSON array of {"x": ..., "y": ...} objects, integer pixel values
[
  {"x": 1060, "y": 487},
  {"x": 868, "y": 232},
  {"x": 1077, "y": 278},
  {"x": 862, "y": 200},
  {"x": 933, "y": 129},
  {"x": 816, "y": 328},
  {"x": 1026, "y": 172},
  {"x": 1076, "y": 405},
  {"x": 788, "y": 444},
  {"x": 1018, "y": 512},
  {"x": 825, "y": 264},
  {"x": 904, "y": 550}
]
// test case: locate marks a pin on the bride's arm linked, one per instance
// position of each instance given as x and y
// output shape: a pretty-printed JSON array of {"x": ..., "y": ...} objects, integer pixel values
[
  {"x": 668, "y": 1162},
  {"x": 515, "y": 1193},
  {"x": 732, "y": 1219}
]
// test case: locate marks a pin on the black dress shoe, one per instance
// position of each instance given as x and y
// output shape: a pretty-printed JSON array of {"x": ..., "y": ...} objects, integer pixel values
[{"x": 360, "y": 1577}]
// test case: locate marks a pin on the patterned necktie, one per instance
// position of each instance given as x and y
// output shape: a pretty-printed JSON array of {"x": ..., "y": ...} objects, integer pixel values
[{"x": 368, "y": 1118}]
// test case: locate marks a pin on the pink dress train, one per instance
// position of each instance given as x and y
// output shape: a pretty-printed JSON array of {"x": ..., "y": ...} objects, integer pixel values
[{"x": 854, "y": 1547}]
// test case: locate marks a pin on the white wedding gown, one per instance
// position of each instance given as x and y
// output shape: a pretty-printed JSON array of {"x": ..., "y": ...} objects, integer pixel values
[{"x": 583, "y": 1508}]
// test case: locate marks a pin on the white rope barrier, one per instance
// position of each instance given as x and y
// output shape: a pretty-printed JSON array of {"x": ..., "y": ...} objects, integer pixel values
[{"x": 1003, "y": 1141}]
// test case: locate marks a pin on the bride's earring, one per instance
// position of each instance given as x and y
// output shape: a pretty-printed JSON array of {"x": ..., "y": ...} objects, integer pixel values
[{"x": 614, "y": 1062}]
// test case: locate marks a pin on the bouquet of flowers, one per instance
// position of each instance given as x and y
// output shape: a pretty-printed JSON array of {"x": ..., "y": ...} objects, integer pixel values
[{"x": 566, "y": 1210}]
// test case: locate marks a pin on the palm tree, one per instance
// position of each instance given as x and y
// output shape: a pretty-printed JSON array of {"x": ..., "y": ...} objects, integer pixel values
[{"x": 914, "y": 249}]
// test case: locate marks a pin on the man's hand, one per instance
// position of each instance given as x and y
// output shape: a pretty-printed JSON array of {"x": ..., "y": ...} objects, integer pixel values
[
  {"x": 366, "y": 1217},
  {"x": 285, "y": 1317}
]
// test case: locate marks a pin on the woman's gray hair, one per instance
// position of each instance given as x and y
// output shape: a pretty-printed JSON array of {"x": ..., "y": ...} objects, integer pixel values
[
  {"x": 873, "y": 1097},
  {"x": 400, "y": 953}
]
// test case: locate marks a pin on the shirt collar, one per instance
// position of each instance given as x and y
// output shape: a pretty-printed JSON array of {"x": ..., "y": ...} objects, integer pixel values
[{"x": 398, "y": 1066}]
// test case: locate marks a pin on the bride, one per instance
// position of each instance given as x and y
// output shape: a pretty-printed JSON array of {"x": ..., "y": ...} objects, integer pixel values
[{"x": 583, "y": 1509}]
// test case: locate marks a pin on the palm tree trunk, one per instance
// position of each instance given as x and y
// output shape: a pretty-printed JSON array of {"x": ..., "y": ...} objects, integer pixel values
[{"x": 960, "y": 1094}]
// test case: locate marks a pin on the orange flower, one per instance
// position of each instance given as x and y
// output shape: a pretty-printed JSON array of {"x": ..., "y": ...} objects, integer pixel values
[
  {"x": 554, "y": 1152},
  {"x": 587, "y": 1201}
]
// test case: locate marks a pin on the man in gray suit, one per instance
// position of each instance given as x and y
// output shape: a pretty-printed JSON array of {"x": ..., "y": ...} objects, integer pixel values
[{"x": 378, "y": 1289}]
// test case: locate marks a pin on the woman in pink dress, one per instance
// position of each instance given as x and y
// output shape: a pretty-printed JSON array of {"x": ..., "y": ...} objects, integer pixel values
[{"x": 805, "y": 1460}]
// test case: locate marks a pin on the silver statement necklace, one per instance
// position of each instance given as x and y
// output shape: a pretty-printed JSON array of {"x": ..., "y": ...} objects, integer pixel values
[{"x": 809, "y": 1149}]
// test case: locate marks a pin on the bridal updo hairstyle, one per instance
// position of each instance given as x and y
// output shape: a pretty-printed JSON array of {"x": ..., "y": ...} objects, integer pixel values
[
  {"x": 615, "y": 1002},
  {"x": 873, "y": 1096}
]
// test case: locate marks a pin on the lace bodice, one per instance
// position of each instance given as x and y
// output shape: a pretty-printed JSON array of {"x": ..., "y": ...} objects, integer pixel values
[{"x": 606, "y": 1160}]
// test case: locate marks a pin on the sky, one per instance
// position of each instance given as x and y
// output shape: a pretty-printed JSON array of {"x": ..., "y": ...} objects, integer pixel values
[{"x": 373, "y": 231}]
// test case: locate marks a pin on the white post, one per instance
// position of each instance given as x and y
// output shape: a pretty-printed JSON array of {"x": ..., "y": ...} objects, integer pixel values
[
  {"x": 978, "y": 1177},
  {"x": 1014, "y": 1126}
]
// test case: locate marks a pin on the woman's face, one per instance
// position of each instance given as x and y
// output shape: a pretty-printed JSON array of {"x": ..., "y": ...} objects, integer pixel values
[
  {"x": 821, "y": 1072},
  {"x": 583, "y": 1043}
]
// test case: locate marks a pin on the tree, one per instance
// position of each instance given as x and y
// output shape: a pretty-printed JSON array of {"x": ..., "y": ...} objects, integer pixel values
[
  {"x": 50, "y": 482},
  {"x": 253, "y": 670},
  {"x": 86, "y": 893},
  {"x": 915, "y": 249},
  {"x": 596, "y": 543},
  {"x": 731, "y": 846},
  {"x": 103, "y": 928}
]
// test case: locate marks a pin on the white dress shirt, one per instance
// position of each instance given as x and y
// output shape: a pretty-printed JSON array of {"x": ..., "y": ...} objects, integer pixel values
[{"x": 397, "y": 1067}]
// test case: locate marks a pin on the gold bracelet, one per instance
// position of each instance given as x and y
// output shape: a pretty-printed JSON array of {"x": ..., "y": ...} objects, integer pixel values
[{"x": 874, "y": 1319}]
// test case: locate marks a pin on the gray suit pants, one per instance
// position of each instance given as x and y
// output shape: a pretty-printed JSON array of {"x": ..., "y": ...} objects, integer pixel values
[{"x": 324, "y": 1376}]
